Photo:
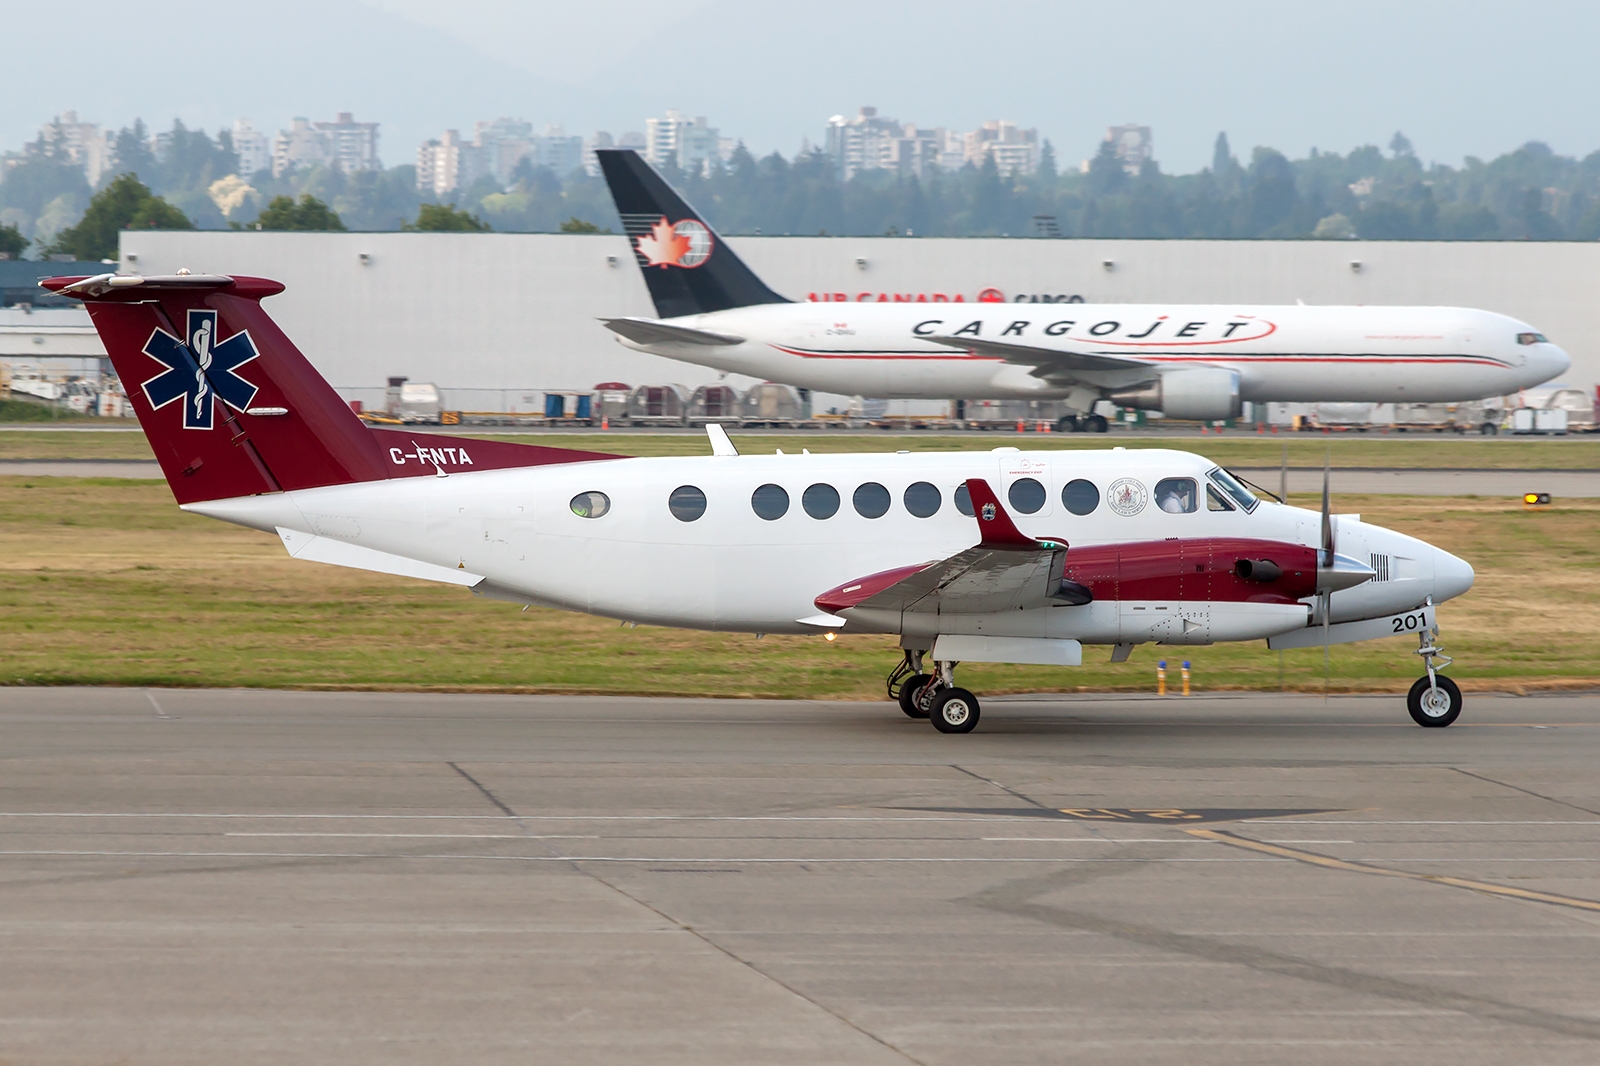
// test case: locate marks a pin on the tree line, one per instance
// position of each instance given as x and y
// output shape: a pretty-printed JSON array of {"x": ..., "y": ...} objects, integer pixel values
[{"x": 1530, "y": 193}]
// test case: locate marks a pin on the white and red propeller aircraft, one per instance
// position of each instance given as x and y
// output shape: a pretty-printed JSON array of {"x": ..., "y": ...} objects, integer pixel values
[
  {"x": 1002, "y": 556},
  {"x": 1188, "y": 361}
]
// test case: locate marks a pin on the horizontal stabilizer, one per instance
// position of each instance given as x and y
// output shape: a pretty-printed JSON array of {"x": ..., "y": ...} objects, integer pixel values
[
  {"x": 311, "y": 548},
  {"x": 654, "y": 331},
  {"x": 1047, "y": 360}
]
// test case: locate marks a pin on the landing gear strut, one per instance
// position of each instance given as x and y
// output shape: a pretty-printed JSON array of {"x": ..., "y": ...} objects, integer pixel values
[
  {"x": 1434, "y": 701},
  {"x": 935, "y": 696}
]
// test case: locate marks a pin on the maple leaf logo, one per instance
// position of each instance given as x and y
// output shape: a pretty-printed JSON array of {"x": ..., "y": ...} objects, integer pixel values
[{"x": 663, "y": 246}]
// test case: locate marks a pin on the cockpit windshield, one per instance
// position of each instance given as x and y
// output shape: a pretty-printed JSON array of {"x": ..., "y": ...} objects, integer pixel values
[
  {"x": 1226, "y": 482},
  {"x": 1532, "y": 338}
]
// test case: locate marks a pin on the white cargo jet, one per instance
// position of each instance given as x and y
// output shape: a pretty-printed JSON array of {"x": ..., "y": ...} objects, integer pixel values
[
  {"x": 1188, "y": 361},
  {"x": 1002, "y": 556}
]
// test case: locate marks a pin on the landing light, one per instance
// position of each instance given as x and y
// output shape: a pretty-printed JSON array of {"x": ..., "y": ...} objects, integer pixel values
[{"x": 830, "y": 636}]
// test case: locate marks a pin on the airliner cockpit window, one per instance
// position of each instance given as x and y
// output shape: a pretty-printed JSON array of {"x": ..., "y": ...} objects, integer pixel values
[
  {"x": 1532, "y": 338},
  {"x": 1230, "y": 485},
  {"x": 1216, "y": 501},
  {"x": 1176, "y": 495}
]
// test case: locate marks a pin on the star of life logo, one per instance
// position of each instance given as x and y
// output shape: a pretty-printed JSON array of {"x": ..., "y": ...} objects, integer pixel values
[
  {"x": 1127, "y": 497},
  {"x": 200, "y": 369},
  {"x": 660, "y": 243}
]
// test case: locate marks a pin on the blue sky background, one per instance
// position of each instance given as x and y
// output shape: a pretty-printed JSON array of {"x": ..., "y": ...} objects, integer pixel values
[{"x": 1458, "y": 78}]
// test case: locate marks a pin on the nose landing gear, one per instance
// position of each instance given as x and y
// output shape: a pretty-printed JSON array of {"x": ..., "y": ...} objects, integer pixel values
[
  {"x": 1434, "y": 701},
  {"x": 935, "y": 696}
]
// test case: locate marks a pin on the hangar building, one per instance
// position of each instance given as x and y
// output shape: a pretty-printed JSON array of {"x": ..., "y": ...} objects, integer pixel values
[{"x": 493, "y": 317}]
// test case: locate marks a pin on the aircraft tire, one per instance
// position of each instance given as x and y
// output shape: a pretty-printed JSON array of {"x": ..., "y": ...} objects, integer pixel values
[
  {"x": 909, "y": 688},
  {"x": 954, "y": 710},
  {"x": 1434, "y": 711},
  {"x": 1068, "y": 424},
  {"x": 1095, "y": 424}
]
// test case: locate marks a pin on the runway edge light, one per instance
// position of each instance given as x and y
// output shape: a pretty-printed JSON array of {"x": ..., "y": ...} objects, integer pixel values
[{"x": 1535, "y": 500}]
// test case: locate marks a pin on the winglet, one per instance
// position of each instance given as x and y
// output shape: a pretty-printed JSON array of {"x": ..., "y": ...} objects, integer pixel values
[
  {"x": 720, "y": 444},
  {"x": 995, "y": 527}
]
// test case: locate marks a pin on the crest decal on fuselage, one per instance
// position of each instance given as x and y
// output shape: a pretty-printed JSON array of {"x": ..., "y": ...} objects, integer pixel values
[{"x": 1126, "y": 496}]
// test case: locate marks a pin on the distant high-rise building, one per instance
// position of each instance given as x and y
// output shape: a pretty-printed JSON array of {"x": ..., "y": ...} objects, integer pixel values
[
  {"x": 559, "y": 152},
  {"x": 83, "y": 143},
  {"x": 251, "y": 146},
  {"x": 353, "y": 145},
  {"x": 1132, "y": 145},
  {"x": 602, "y": 139},
  {"x": 505, "y": 143},
  {"x": 344, "y": 143},
  {"x": 449, "y": 164},
  {"x": 1014, "y": 150},
  {"x": 689, "y": 145}
]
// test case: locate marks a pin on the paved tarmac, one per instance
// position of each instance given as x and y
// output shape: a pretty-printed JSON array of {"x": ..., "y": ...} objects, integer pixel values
[{"x": 265, "y": 877}]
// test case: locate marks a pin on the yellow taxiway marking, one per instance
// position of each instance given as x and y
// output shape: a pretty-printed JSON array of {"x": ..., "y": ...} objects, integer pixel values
[{"x": 1331, "y": 863}]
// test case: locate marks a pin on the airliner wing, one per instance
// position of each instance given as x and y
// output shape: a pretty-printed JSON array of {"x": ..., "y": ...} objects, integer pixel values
[
  {"x": 654, "y": 331},
  {"x": 1048, "y": 360},
  {"x": 1004, "y": 571}
]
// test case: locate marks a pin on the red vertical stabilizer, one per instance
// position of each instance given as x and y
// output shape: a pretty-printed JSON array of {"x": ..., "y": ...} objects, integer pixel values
[{"x": 231, "y": 407}]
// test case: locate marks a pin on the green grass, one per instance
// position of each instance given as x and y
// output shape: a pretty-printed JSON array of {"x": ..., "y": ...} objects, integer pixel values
[
  {"x": 1233, "y": 448},
  {"x": 106, "y": 582}
]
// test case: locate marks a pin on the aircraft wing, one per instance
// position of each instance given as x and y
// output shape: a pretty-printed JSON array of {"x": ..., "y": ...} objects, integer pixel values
[
  {"x": 655, "y": 331},
  {"x": 1005, "y": 570},
  {"x": 1048, "y": 360}
]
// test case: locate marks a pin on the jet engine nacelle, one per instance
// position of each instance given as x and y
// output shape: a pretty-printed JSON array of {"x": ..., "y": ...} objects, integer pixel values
[{"x": 1204, "y": 394}]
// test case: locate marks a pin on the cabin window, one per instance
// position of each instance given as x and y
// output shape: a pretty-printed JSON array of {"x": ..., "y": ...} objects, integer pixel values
[
  {"x": 922, "y": 499},
  {"x": 1234, "y": 490},
  {"x": 686, "y": 503},
  {"x": 1176, "y": 495},
  {"x": 1215, "y": 501},
  {"x": 590, "y": 504},
  {"x": 1532, "y": 338},
  {"x": 962, "y": 499},
  {"x": 820, "y": 501},
  {"x": 1026, "y": 495},
  {"x": 770, "y": 502},
  {"x": 871, "y": 500},
  {"x": 1080, "y": 497}
]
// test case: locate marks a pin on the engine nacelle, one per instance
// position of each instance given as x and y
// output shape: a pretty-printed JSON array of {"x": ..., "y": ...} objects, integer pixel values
[{"x": 1204, "y": 394}]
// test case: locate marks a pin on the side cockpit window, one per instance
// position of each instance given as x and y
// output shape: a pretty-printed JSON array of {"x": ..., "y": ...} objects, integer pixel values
[
  {"x": 1231, "y": 488},
  {"x": 1216, "y": 501},
  {"x": 1532, "y": 338},
  {"x": 1176, "y": 495}
]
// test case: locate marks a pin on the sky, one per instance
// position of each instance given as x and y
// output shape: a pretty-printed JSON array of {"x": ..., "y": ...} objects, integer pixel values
[{"x": 1459, "y": 78}]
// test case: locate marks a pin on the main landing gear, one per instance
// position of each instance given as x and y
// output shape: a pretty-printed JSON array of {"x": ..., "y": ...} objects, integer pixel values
[
  {"x": 933, "y": 696},
  {"x": 1434, "y": 701},
  {"x": 1086, "y": 424}
]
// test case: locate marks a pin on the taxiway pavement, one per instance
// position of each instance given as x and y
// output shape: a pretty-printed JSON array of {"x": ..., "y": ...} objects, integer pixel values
[{"x": 269, "y": 877}]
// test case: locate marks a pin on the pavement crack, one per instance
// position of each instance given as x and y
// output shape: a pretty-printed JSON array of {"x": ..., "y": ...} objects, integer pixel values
[
  {"x": 1525, "y": 791},
  {"x": 1003, "y": 788},
  {"x": 578, "y": 866}
]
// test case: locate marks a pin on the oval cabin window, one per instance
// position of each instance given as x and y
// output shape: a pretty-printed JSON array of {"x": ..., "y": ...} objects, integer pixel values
[
  {"x": 1026, "y": 495},
  {"x": 820, "y": 501},
  {"x": 871, "y": 500},
  {"x": 922, "y": 499},
  {"x": 962, "y": 498},
  {"x": 1080, "y": 497},
  {"x": 686, "y": 503},
  {"x": 770, "y": 502},
  {"x": 590, "y": 504}
]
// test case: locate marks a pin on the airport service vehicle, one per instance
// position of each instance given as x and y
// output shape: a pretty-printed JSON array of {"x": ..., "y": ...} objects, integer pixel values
[
  {"x": 1002, "y": 556},
  {"x": 1187, "y": 361}
]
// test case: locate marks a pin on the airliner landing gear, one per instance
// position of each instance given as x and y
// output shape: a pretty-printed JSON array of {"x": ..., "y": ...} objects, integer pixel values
[
  {"x": 1068, "y": 424},
  {"x": 906, "y": 684},
  {"x": 951, "y": 709},
  {"x": 1095, "y": 424},
  {"x": 1434, "y": 701}
]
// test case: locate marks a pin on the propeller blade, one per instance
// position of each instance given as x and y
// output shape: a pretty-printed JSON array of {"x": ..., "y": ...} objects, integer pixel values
[{"x": 1327, "y": 516}]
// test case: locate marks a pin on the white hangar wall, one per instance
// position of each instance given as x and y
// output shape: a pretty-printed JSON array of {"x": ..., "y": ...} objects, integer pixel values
[{"x": 518, "y": 311}]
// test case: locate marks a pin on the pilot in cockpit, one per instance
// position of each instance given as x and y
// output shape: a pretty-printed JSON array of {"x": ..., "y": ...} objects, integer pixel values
[{"x": 1175, "y": 495}]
